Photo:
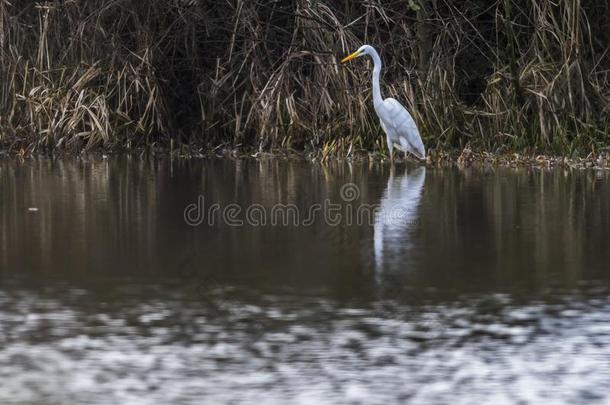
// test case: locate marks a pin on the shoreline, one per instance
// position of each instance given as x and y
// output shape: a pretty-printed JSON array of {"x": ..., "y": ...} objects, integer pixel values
[{"x": 435, "y": 158}]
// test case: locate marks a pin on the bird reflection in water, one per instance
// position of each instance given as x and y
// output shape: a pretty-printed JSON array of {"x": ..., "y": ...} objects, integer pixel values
[{"x": 396, "y": 217}]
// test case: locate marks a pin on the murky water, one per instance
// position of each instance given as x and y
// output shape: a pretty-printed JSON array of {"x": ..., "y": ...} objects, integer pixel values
[{"x": 145, "y": 281}]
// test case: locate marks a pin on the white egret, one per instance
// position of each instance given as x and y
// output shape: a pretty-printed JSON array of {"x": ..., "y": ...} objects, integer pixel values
[{"x": 400, "y": 128}]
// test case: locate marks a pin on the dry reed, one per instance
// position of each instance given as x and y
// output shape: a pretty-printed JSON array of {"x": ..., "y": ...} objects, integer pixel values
[{"x": 510, "y": 75}]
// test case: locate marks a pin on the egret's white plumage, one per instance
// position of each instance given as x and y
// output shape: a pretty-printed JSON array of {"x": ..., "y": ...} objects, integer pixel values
[{"x": 400, "y": 128}]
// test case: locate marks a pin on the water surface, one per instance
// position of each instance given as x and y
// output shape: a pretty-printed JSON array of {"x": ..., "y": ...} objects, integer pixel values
[{"x": 291, "y": 281}]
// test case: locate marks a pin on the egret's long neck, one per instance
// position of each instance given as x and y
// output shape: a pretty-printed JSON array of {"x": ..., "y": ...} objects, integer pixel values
[{"x": 376, "y": 73}]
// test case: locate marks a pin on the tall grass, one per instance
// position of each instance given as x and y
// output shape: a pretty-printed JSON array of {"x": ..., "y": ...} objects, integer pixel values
[{"x": 510, "y": 75}]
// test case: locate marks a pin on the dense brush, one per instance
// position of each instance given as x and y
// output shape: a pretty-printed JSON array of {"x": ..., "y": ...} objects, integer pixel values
[{"x": 508, "y": 75}]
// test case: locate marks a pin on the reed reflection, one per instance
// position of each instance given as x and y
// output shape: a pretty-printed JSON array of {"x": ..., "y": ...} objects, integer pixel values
[{"x": 123, "y": 216}]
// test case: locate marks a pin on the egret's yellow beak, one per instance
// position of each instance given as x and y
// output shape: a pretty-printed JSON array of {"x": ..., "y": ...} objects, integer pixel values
[{"x": 351, "y": 56}]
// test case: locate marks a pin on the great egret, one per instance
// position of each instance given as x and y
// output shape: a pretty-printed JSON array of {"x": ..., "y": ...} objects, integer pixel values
[{"x": 400, "y": 128}]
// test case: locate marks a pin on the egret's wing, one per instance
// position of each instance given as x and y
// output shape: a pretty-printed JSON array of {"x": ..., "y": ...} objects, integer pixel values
[{"x": 403, "y": 126}]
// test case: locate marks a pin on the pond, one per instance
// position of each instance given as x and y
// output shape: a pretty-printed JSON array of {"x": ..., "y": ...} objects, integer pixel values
[{"x": 146, "y": 281}]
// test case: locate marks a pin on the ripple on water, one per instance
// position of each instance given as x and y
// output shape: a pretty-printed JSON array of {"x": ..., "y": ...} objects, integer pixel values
[{"x": 172, "y": 350}]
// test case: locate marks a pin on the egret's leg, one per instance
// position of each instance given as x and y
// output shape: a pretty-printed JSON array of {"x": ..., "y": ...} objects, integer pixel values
[
  {"x": 391, "y": 149},
  {"x": 405, "y": 146}
]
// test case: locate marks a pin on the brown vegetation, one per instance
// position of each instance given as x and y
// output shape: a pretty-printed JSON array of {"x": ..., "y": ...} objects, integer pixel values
[{"x": 510, "y": 75}]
